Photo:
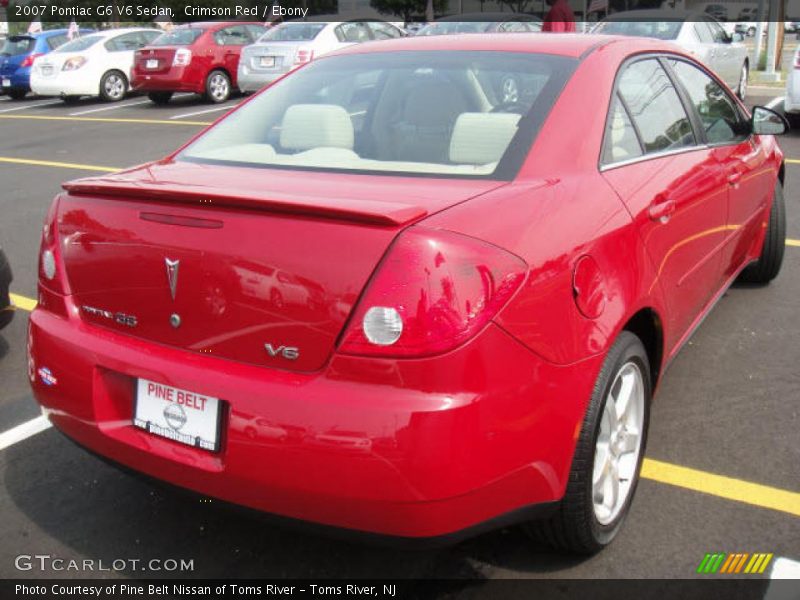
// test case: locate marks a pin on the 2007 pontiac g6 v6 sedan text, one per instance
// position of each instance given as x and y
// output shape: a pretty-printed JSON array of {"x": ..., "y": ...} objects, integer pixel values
[{"x": 416, "y": 288}]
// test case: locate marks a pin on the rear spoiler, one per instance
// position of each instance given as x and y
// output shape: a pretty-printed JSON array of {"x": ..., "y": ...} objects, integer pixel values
[{"x": 375, "y": 212}]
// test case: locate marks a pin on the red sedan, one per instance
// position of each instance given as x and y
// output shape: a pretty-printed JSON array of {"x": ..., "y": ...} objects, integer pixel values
[
  {"x": 416, "y": 288},
  {"x": 201, "y": 58}
]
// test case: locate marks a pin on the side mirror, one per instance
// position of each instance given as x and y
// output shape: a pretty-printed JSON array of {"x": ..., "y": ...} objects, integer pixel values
[{"x": 766, "y": 121}]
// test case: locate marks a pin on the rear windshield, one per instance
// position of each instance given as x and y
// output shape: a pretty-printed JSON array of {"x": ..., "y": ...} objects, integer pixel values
[
  {"x": 455, "y": 114},
  {"x": 178, "y": 37},
  {"x": 293, "y": 32},
  {"x": 80, "y": 44},
  {"x": 15, "y": 46},
  {"x": 662, "y": 30}
]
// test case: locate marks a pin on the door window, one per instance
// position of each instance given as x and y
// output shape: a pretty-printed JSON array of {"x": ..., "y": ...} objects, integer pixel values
[
  {"x": 722, "y": 121},
  {"x": 383, "y": 31},
  {"x": 126, "y": 42},
  {"x": 655, "y": 107},
  {"x": 703, "y": 32}
]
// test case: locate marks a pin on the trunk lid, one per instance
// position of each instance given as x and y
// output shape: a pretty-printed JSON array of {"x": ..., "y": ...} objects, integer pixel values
[
  {"x": 260, "y": 267},
  {"x": 155, "y": 59}
]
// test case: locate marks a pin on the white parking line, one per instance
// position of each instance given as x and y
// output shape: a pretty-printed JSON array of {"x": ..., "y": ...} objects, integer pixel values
[
  {"x": 204, "y": 112},
  {"x": 105, "y": 108},
  {"x": 774, "y": 102},
  {"x": 24, "y": 431},
  {"x": 27, "y": 106},
  {"x": 782, "y": 569}
]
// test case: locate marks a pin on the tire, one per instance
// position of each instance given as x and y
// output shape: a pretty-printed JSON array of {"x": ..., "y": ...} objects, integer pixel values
[
  {"x": 160, "y": 98},
  {"x": 17, "y": 94},
  {"x": 113, "y": 86},
  {"x": 218, "y": 87},
  {"x": 578, "y": 525},
  {"x": 794, "y": 120},
  {"x": 741, "y": 89},
  {"x": 768, "y": 265}
]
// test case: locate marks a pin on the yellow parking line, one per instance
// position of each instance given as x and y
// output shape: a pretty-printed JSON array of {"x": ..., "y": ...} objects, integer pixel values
[
  {"x": 60, "y": 165},
  {"x": 106, "y": 120},
  {"x": 793, "y": 242},
  {"x": 792, "y": 161},
  {"x": 692, "y": 479},
  {"x": 722, "y": 487},
  {"x": 22, "y": 302}
]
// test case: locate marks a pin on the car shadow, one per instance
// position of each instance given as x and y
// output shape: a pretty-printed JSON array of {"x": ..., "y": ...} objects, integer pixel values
[
  {"x": 4, "y": 347},
  {"x": 65, "y": 497}
]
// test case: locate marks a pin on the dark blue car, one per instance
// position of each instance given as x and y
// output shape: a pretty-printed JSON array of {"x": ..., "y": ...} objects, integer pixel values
[{"x": 18, "y": 54}]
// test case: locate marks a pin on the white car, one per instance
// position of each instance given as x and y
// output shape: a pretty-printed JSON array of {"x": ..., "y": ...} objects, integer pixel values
[
  {"x": 791, "y": 102},
  {"x": 293, "y": 43},
  {"x": 93, "y": 65},
  {"x": 698, "y": 34}
]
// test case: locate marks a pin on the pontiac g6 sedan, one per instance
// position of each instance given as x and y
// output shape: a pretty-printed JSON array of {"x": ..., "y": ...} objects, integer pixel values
[{"x": 478, "y": 293}]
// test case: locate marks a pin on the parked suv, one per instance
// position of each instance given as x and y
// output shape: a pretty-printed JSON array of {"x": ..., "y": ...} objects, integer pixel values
[{"x": 198, "y": 57}]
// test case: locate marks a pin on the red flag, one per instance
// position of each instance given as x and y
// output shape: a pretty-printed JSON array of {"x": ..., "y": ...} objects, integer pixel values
[{"x": 35, "y": 26}]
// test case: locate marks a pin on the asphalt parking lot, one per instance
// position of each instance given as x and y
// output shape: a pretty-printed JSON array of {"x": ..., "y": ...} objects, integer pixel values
[{"x": 723, "y": 466}]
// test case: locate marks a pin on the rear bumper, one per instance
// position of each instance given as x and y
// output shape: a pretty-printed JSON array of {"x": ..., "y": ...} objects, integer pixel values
[
  {"x": 252, "y": 81},
  {"x": 412, "y": 449},
  {"x": 20, "y": 79},
  {"x": 64, "y": 84},
  {"x": 177, "y": 79}
]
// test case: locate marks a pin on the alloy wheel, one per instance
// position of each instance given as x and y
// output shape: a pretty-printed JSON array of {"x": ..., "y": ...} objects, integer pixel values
[
  {"x": 219, "y": 87},
  {"x": 114, "y": 87},
  {"x": 618, "y": 444}
]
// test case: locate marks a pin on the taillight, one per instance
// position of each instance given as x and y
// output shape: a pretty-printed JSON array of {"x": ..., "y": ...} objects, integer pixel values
[
  {"x": 303, "y": 56},
  {"x": 74, "y": 63},
  {"x": 51, "y": 267},
  {"x": 432, "y": 292},
  {"x": 797, "y": 60},
  {"x": 28, "y": 60},
  {"x": 183, "y": 56}
]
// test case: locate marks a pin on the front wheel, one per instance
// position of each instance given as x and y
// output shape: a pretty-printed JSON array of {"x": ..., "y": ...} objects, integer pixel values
[
  {"x": 741, "y": 90},
  {"x": 768, "y": 265},
  {"x": 608, "y": 455},
  {"x": 218, "y": 87},
  {"x": 113, "y": 86}
]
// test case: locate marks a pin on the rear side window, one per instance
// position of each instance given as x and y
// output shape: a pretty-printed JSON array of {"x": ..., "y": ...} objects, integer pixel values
[
  {"x": 293, "y": 32},
  {"x": 722, "y": 121},
  {"x": 80, "y": 44},
  {"x": 15, "y": 46},
  {"x": 181, "y": 36},
  {"x": 232, "y": 36},
  {"x": 655, "y": 107}
]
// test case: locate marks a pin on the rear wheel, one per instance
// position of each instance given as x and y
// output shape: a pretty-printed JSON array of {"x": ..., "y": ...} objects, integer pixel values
[
  {"x": 794, "y": 120},
  {"x": 218, "y": 87},
  {"x": 160, "y": 98},
  {"x": 608, "y": 455},
  {"x": 17, "y": 94},
  {"x": 113, "y": 86},
  {"x": 768, "y": 265}
]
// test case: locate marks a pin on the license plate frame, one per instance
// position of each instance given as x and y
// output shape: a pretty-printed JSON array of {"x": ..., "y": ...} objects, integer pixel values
[
  {"x": 152, "y": 63},
  {"x": 175, "y": 414},
  {"x": 6, "y": 82},
  {"x": 267, "y": 62}
]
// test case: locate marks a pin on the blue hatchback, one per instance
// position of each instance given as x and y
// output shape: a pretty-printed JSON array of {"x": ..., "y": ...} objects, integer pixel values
[{"x": 19, "y": 52}]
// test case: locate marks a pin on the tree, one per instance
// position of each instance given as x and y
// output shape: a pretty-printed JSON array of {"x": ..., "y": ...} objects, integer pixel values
[
  {"x": 519, "y": 6},
  {"x": 406, "y": 8}
]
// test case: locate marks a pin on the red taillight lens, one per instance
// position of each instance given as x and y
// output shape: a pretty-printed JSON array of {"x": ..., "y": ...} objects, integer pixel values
[
  {"x": 182, "y": 58},
  {"x": 433, "y": 291},
  {"x": 28, "y": 60},
  {"x": 303, "y": 56},
  {"x": 51, "y": 267}
]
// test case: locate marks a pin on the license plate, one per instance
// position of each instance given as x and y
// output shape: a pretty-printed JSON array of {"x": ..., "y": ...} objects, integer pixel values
[
  {"x": 152, "y": 63},
  {"x": 180, "y": 415},
  {"x": 6, "y": 82},
  {"x": 267, "y": 62}
]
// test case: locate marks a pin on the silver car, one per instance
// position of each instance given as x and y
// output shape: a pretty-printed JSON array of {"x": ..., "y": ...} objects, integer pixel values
[
  {"x": 699, "y": 34},
  {"x": 293, "y": 43}
]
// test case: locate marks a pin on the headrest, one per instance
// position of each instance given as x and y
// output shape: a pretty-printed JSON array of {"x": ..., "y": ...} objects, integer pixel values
[
  {"x": 481, "y": 138},
  {"x": 307, "y": 126}
]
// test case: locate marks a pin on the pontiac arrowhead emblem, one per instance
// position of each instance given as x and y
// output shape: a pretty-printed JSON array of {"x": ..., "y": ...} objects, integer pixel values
[{"x": 172, "y": 275}]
